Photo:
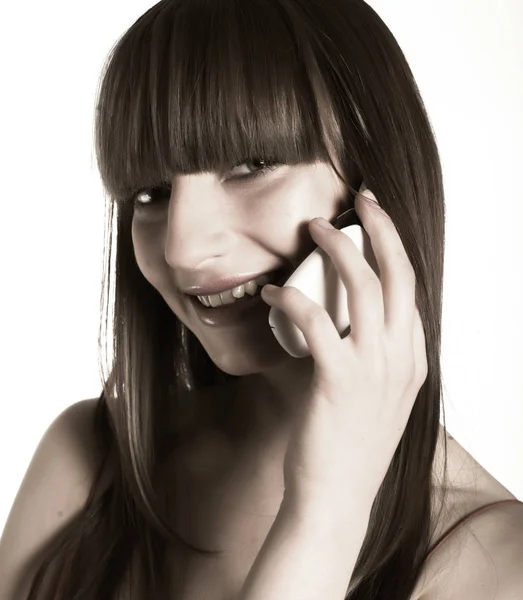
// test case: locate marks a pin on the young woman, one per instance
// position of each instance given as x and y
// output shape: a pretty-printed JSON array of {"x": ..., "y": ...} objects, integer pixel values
[{"x": 214, "y": 464}]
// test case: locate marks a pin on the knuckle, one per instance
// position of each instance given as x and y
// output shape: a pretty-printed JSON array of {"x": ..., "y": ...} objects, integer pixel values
[
  {"x": 422, "y": 372},
  {"x": 316, "y": 317},
  {"x": 408, "y": 270},
  {"x": 402, "y": 377},
  {"x": 370, "y": 281},
  {"x": 289, "y": 293}
]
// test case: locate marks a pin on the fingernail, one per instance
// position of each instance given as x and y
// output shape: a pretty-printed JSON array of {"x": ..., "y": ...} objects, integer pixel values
[
  {"x": 323, "y": 223},
  {"x": 269, "y": 289}
]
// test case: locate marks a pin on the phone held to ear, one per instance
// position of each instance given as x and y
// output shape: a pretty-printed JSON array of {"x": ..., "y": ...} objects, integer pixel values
[{"x": 318, "y": 279}]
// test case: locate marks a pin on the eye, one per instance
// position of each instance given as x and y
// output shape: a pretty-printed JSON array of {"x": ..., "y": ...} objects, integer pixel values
[
  {"x": 261, "y": 164},
  {"x": 154, "y": 197},
  {"x": 151, "y": 197}
]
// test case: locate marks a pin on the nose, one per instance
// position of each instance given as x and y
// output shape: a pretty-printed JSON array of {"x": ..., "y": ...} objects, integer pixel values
[{"x": 199, "y": 222}]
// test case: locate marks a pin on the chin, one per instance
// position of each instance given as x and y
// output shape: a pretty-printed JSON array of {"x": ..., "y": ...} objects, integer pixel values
[{"x": 250, "y": 360}]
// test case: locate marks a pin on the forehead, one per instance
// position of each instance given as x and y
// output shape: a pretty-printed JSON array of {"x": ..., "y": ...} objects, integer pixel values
[{"x": 199, "y": 91}]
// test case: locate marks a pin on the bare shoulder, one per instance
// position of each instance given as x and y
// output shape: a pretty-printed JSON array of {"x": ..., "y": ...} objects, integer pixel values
[
  {"x": 481, "y": 560},
  {"x": 477, "y": 552},
  {"x": 53, "y": 491}
]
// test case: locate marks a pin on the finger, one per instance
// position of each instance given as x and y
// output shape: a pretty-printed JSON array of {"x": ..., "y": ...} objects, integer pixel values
[
  {"x": 420, "y": 351},
  {"x": 364, "y": 293},
  {"x": 397, "y": 276},
  {"x": 317, "y": 327}
]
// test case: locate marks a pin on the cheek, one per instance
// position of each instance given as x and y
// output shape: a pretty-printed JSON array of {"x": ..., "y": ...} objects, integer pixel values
[
  {"x": 290, "y": 203},
  {"x": 149, "y": 255}
]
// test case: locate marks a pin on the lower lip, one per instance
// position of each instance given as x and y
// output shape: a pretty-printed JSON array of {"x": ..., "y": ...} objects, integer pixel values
[{"x": 232, "y": 314}]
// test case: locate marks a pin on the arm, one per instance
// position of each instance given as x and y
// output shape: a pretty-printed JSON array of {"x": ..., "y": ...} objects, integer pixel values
[
  {"x": 351, "y": 419},
  {"x": 309, "y": 553},
  {"x": 52, "y": 493}
]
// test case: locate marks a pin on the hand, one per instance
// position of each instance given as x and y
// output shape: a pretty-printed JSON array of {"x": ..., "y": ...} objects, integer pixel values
[{"x": 364, "y": 385}]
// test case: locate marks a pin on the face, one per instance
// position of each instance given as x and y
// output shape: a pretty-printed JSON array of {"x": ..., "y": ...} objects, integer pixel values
[{"x": 220, "y": 225}]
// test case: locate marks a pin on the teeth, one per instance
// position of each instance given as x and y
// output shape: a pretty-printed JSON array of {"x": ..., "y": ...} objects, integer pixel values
[{"x": 235, "y": 293}]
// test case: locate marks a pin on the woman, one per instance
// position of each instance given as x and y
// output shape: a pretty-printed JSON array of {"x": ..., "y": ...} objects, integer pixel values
[{"x": 214, "y": 464}]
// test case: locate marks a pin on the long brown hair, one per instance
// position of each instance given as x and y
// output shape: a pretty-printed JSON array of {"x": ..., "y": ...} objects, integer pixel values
[{"x": 200, "y": 85}]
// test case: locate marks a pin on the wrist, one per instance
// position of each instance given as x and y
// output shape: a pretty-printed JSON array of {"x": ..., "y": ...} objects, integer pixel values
[{"x": 327, "y": 507}]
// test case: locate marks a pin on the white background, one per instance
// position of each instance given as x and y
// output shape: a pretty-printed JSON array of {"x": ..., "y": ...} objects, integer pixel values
[{"x": 467, "y": 57}]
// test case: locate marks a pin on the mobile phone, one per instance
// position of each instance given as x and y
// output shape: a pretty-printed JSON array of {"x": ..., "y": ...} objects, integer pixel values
[{"x": 318, "y": 279}]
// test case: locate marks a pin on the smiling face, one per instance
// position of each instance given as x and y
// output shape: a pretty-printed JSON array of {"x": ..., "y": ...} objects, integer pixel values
[
  {"x": 206, "y": 226},
  {"x": 187, "y": 98}
]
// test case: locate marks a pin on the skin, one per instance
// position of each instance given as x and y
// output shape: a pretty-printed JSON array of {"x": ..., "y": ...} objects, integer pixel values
[
  {"x": 230, "y": 474},
  {"x": 249, "y": 226}
]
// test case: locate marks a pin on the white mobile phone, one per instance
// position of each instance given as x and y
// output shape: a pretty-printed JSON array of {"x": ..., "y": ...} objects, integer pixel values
[{"x": 318, "y": 279}]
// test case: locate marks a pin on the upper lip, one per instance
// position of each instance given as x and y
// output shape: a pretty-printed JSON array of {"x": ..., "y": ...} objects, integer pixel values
[{"x": 221, "y": 285}]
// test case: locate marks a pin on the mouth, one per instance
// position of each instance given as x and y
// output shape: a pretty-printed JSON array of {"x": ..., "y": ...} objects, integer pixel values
[
  {"x": 219, "y": 314},
  {"x": 277, "y": 277},
  {"x": 281, "y": 276}
]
